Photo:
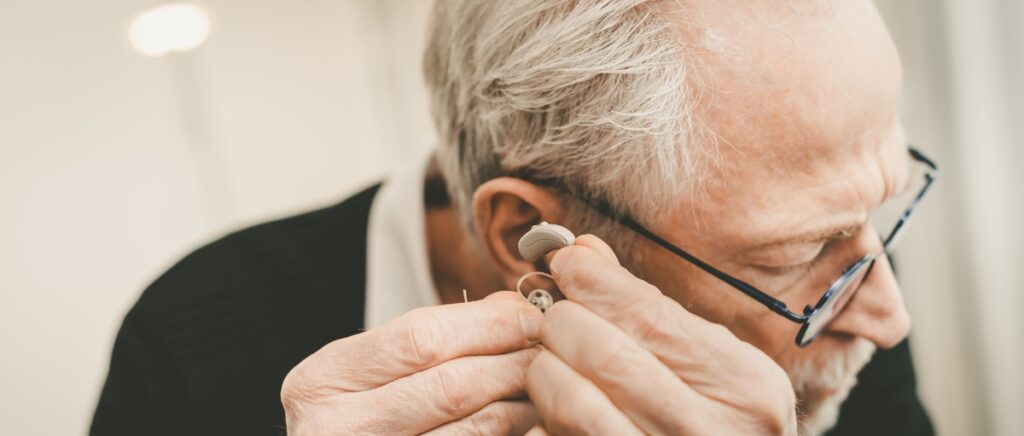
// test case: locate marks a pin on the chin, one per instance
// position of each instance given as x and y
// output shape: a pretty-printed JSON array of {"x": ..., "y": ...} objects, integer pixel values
[{"x": 823, "y": 382}]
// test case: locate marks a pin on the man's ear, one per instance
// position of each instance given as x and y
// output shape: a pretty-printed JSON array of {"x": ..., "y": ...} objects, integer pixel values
[{"x": 504, "y": 209}]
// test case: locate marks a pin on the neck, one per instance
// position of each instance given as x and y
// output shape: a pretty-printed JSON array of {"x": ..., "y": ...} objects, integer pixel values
[{"x": 456, "y": 261}]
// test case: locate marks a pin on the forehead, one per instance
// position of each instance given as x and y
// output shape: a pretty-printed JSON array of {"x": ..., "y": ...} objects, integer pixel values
[{"x": 801, "y": 99}]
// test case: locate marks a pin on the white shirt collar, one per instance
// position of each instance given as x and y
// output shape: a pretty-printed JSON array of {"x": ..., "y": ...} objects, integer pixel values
[{"x": 397, "y": 263}]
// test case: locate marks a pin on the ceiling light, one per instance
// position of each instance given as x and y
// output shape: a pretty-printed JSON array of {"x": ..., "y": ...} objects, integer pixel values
[{"x": 168, "y": 28}]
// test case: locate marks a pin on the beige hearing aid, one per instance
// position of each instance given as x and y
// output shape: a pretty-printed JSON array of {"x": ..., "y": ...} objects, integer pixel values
[{"x": 544, "y": 238}]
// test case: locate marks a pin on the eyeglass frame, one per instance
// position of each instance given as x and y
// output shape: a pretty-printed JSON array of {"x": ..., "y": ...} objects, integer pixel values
[{"x": 772, "y": 303}]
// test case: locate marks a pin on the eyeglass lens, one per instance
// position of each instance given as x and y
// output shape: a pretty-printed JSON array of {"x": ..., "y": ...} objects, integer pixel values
[{"x": 834, "y": 301}]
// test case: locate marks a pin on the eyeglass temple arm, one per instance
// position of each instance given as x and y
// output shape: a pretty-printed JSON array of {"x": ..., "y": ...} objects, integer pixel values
[
  {"x": 929, "y": 178},
  {"x": 767, "y": 300},
  {"x": 605, "y": 209}
]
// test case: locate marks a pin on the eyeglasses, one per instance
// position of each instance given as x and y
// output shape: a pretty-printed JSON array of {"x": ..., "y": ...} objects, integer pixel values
[{"x": 814, "y": 318}]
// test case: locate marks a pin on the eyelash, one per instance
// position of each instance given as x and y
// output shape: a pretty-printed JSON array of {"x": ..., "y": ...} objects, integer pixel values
[
  {"x": 803, "y": 267},
  {"x": 788, "y": 269}
]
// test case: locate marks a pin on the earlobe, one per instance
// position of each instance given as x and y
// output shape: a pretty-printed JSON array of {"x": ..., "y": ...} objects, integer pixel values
[{"x": 504, "y": 209}]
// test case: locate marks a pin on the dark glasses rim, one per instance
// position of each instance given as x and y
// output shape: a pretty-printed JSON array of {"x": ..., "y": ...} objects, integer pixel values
[{"x": 865, "y": 263}]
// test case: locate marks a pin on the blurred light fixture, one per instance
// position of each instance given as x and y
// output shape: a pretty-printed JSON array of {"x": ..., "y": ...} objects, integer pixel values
[{"x": 167, "y": 28}]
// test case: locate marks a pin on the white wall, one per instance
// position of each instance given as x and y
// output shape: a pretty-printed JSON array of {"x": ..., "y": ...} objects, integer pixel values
[
  {"x": 964, "y": 103},
  {"x": 113, "y": 165}
]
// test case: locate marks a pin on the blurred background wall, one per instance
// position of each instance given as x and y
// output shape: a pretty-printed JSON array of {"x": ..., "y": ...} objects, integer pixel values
[{"x": 113, "y": 165}]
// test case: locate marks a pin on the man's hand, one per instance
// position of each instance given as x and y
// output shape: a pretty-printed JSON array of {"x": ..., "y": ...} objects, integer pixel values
[
  {"x": 457, "y": 368},
  {"x": 621, "y": 358}
]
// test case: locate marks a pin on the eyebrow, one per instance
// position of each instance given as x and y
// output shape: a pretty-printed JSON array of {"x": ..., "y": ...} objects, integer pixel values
[
  {"x": 816, "y": 236},
  {"x": 836, "y": 232}
]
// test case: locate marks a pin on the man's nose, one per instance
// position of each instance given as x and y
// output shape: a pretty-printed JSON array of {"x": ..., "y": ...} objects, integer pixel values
[{"x": 877, "y": 311}]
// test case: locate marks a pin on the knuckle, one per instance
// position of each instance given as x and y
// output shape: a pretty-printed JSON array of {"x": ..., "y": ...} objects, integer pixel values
[
  {"x": 784, "y": 387},
  {"x": 722, "y": 333},
  {"x": 304, "y": 398},
  {"x": 613, "y": 361},
  {"x": 574, "y": 412},
  {"x": 474, "y": 428},
  {"x": 291, "y": 396},
  {"x": 569, "y": 402},
  {"x": 509, "y": 320},
  {"x": 765, "y": 370},
  {"x": 775, "y": 423},
  {"x": 722, "y": 345},
  {"x": 518, "y": 319},
  {"x": 774, "y": 409},
  {"x": 298, "y": 388},
  {"x": 782, "y": 410},
  {"x": 422, "y": 337},
  {"x": 489, "y": 421},
  {"x": 455, "y": 396},
  {"x": 677, "y": 423},
  {"x": 650, "y": 323}
]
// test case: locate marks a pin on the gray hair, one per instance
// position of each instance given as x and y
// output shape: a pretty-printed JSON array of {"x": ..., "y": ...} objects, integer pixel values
[{"x": 590, "y": 92}]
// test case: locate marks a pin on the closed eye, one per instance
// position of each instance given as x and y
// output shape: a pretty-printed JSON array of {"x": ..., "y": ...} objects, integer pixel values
[
  {"x": 787, "y": 270},
  {"x": 806, "y": 259},
  {"x": 800, "y": 267}
]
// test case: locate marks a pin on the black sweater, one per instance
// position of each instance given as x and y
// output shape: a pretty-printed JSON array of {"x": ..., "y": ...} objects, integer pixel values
[{"x": 206, "y": 347}]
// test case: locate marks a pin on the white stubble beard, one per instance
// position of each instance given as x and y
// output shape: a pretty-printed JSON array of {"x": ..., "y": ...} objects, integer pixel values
[{"x": 840, "y": 373}]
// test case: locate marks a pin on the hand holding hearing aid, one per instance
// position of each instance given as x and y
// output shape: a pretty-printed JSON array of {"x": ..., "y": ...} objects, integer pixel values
[
  {"x": 448, "y": 369},
  {"x": 669, "y": 383}
]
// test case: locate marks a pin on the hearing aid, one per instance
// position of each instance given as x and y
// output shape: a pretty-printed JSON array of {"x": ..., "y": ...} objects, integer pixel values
[{"x": 542, "y": 239}]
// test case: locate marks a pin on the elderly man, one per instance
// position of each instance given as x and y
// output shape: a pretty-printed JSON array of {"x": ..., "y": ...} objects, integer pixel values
[{"x": 724, "y": 162}]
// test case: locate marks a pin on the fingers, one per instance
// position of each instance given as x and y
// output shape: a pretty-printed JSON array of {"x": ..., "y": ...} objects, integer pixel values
[
  {"x": 444, "y": 393},
  {"x": 592, "y": 242},
  {"x": 586, "y": 275},
  {"x": 598, "y": 245},
  {"x": 639, "y": 385},
  {"x": 498, "y": 418},
  {"x": 501, "y": 323},
  {"x": 569, "y": 404},
  {"x": 705, "y": 355}
]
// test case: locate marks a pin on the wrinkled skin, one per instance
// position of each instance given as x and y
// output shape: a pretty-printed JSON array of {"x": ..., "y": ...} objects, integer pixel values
[{"x": 444, "y": 370}]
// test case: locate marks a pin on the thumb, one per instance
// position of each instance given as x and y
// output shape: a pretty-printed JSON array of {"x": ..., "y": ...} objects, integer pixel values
[{"x": 594, "y": 243}]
